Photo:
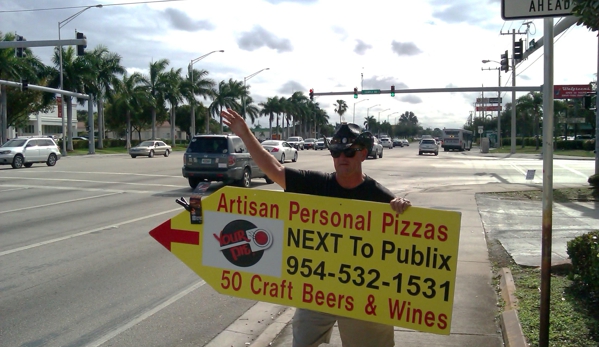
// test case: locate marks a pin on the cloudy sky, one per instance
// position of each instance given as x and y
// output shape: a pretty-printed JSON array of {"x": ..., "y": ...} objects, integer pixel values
[{"x": 328, "y": 45}]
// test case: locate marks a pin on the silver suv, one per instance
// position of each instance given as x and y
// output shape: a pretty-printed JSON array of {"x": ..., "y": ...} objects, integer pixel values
[
  {"x": 296, "y": 142},
  {"x": 23, "y": 151},
  {"x": 221, "y": 158},
  {"x": 428, "y": 145}
]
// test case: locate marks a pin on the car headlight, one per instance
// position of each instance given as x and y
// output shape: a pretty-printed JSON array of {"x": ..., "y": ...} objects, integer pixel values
[{"x": 4, "y": 152}]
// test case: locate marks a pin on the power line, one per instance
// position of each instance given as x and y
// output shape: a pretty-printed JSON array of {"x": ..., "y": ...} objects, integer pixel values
[{"x": 73, "y": 7}]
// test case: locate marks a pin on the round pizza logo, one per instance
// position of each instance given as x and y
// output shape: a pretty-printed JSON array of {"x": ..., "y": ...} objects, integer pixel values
[{"x": 242, "y": 243}]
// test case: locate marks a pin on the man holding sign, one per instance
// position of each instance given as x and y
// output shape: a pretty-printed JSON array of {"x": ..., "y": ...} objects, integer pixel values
[{"x": 349, "y": 148}]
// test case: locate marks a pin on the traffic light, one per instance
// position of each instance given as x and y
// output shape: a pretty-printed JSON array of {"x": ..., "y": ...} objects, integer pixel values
[
  {"x": 505, "y": 66},
  {"x": 20, "y": 50},
  {"x": 355, "y": 93},
  {"x": 311, "y": 94},
  {"x": 518, "y": 47},
  {"x": 24, "y": 85},
  {"x": 392, "y": 90},
  {"x": 81, "y": 48}
]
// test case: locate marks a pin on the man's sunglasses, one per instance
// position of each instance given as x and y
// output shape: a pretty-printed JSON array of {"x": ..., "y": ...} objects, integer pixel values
[{"x": 348, "y": 152}]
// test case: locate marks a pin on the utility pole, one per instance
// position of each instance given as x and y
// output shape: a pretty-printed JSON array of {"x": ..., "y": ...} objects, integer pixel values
[{"x": 513, "y": 130}]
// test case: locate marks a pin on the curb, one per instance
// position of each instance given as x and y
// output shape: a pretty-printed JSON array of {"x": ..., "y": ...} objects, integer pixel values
[
  {"x": 510, "y": 324},
  {"x": 255, "y": 326},
  {"x": 274, "y": 330}
]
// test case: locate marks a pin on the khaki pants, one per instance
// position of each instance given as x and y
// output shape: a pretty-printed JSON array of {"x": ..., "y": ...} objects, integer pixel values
[{"x": 311, "y": 328}]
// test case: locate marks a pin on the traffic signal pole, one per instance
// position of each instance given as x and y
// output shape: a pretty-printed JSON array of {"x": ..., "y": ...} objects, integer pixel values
[{"x": 513, "y": 132}]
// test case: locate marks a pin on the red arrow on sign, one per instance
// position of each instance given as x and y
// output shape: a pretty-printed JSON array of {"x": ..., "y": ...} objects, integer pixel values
[{"x": 165, "y": 235}]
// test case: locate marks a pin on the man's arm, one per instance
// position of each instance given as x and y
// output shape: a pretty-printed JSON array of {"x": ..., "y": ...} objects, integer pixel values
[{"x": 265, "y": 161}]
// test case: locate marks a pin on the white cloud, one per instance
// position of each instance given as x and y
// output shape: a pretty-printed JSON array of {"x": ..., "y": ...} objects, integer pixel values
[{"x": 314, "y": 44}]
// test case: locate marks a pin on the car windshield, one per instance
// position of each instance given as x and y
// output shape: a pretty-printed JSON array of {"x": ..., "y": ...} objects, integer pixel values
[
  {"x": 15, "y": 143},
  {"x": 271, "y": 143},
  {"x": 310, "y": 140},
  {"x": 146, "y": 144},
  {"x": 293, "y": 139}
]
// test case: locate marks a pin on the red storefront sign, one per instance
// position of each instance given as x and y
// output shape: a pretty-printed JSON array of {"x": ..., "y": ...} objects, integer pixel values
[
  {"x": 571, "y": 91},
  {"x": 488, "y": 108}
]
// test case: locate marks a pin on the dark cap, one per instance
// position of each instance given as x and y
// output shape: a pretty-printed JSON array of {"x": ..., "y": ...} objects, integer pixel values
[{"x": 349, "y": 134}]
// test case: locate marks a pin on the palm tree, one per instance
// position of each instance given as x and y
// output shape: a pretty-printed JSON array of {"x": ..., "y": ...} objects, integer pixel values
[
  {"x": 530, "y": 105},
  {"x": 202, "y": 87},
  {"x": 224, "y": 96},
  {"x": 283, "y": 108},
  {"x": 269, "y": 109},
  {"x": 340, "y": 108},
  {"x": 76, "y": 72},
  {"x": 174, "y": 96},
  {"x": 251, "y": 109},
  {"x": 13, "y": 68},
  {"x": 369, "y": 123},
  {"x": 130, "y": 97},
  {"x": 106, "y": 66},
  {"x": 297, "y": 110},
  {"x": 156, "y": 86}
]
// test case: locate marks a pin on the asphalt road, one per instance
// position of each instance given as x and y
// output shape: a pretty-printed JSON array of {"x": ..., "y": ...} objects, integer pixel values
[{"x": 78, "y": 268}]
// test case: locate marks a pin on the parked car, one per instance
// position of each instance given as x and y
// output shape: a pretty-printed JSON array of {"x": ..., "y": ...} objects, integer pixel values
[
  {"x": 150, "y": 148},
  {"x": 24, "y": 151},
  {"x": 282, "y": 150},
  {"x": 405, "y": 142},
  {"x": 387, "y": 143},
  {"x": 80, "y": 138},
  {"x": 310, "y": 143},
  {"x": 296, "y": 141},
  {"x": 428, "y": 146},
  {"x": 397, "y": 143},
  {"x": 377, "y": 149},
  {"x": 222, "y": 158}
]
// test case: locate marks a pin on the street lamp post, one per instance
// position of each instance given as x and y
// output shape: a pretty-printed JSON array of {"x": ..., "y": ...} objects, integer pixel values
[
  {"x": 498, "y": 101},
  {"x": 192, "y": 128},
  {"x": 244, "y": 89},
  {"x": 379, "y": 121},
  {"x": 60, "y": 25},
  {"x": 354, "y": 117},
  {"x": 390, "y": 114},
  {"x": 368, "y": 109}
]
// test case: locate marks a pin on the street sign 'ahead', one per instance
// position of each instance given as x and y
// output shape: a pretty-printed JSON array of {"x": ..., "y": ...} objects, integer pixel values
[{"x": 522, "y": 9}]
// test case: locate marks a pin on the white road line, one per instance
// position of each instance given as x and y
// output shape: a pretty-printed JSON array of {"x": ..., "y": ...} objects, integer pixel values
[
  {"x": 109, "y": 173},
  {"x": 573, "y": 171},
  {"x": 80, "y": 189},
  {"x": 59, "y": 203},
  {"x": 90, "y": 181},
  {"x": 111, "y": 226},
  {"x": 145, "y": 315},
  {"x": 535, "y": 180}
]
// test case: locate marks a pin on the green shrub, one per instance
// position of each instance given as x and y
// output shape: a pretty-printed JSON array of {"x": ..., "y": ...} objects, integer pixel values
[
  {"x": 588, "y": 145},
  {"x": 584, "y": 253},
  {"x": 594, "y": 180}
]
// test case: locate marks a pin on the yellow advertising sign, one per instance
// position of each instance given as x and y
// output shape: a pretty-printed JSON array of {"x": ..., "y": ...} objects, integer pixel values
[{"x": 345, "y": 257}]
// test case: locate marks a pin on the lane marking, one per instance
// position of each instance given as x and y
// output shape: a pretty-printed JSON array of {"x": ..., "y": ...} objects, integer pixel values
[
  {"x": 107, "y": 173},
  {"x": 80, "y": 189},
  {"x": 573, "y": 171},
  {"x": 90, "y": 181},
  {"x": 111, "y": 226},
  {"x": 145, "y": 315},
  {"x": 59, "y": 203}
]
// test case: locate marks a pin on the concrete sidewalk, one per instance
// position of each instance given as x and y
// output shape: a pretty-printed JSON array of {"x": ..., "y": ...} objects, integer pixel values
[
  {"x": 475, "y": 301},
  {"x": 516, "y": 224}
]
